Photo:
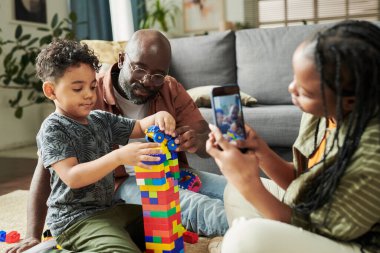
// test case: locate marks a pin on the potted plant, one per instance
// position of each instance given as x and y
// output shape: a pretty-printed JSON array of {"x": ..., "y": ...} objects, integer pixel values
[
  {"x": 19, "y": 60},
  {"x": 159, "y": 13}
]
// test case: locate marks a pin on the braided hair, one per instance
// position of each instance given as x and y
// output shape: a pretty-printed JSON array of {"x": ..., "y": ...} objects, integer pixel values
[{"x": 347, "y": 58}]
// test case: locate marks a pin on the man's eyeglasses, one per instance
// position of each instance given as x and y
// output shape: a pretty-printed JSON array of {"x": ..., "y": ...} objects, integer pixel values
[{"x": 140, "y": 74}]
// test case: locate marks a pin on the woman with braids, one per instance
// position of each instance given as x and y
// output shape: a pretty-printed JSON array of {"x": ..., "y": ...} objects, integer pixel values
[{"x": 328, "y": 199}]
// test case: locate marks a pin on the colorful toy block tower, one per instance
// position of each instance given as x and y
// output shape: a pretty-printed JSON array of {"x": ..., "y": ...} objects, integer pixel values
[{"x": 160, "y": 197}]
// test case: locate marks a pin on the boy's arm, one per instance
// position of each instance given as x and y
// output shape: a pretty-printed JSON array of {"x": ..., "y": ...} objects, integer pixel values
[{"x": 76, "y": 175}]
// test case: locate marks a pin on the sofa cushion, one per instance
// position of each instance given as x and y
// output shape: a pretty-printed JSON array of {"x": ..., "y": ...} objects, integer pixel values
[
  {"x": 107, "y": 51},
  {"x": 202, "y": 96},
  {"x": 204, "y": 60},
  {"x": 264, "y": 61}
]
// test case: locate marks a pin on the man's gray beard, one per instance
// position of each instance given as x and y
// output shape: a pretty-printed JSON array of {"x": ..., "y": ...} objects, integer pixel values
[{"x": 135, "y": 99}]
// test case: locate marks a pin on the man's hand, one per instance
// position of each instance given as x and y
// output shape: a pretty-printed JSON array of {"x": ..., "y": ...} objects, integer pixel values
[
  {"x": 188, "y": 139},
  {"x": 23, "y": 245}
]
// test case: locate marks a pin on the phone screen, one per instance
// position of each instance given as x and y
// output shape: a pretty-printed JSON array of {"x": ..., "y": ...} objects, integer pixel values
[{"x": 228, "y": 116}]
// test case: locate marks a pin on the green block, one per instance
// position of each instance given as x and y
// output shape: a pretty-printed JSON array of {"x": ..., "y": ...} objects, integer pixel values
[
  {"x": 176, "y": 175},
  {"x": 163, "y": 214},
  {"x": 148, "y": 181},
  {"x": 157, "y": 239}
]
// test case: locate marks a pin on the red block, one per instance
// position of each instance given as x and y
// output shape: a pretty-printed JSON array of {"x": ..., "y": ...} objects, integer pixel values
[
  {"x": 12, "y": 237},
  {"x": 190, "y": 237}
]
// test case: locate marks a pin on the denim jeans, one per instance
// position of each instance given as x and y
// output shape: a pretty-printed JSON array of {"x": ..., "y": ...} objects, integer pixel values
[{"x": 201, "y": 212}]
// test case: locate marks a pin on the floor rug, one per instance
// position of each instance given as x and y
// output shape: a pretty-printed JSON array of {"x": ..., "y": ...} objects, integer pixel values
[{"x": 13, "y": 217}]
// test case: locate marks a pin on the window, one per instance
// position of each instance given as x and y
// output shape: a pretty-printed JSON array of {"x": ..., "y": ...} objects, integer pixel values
[{"x": 296, "y": 12}]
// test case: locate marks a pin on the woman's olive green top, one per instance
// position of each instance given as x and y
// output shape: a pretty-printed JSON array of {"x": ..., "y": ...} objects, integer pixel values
[{"x": 354, "y": 209}]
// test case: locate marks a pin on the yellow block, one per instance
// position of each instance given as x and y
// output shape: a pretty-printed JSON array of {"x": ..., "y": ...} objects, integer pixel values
[{"x": 159, "y": 246}]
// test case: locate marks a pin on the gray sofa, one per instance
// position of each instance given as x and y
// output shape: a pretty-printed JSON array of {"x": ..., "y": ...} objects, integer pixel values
[{"x": 259, "y": 61}]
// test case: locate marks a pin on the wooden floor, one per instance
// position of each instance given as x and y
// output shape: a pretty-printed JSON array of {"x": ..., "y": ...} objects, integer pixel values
[{"x": 15, "y": 173}]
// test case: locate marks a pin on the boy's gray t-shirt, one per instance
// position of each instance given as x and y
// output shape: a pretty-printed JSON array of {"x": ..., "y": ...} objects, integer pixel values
[{"x": 61, "y": 137}]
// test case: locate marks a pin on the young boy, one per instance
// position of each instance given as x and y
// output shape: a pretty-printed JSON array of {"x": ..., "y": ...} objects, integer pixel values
[{"x": 75, "y": 144}]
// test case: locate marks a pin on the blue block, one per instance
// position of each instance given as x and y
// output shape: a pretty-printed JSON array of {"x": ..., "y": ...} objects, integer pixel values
[
  {"x": 3, "y": 235},
  {"x": 174, "y": 155},
  {"x": 148, "y": 238},
  {"x": 144, "y": 194},
  {"x": 179, "y": 243},
  {"x": 159, "y": 181},
  {"x": 153, "y": 201}
]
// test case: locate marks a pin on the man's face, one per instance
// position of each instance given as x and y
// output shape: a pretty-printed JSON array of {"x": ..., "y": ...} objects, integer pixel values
[{"x": 141, "y": 74}]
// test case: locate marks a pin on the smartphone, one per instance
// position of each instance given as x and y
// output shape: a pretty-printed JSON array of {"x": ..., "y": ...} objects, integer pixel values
[{"x": 227, "y": 112}]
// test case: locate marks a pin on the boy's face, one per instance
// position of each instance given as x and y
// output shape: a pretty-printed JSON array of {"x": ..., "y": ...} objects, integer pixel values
[
  {"x": 219, "y": 118},
  {"x": 305, "y": 87},
  {"x": 75, "y": 92}
]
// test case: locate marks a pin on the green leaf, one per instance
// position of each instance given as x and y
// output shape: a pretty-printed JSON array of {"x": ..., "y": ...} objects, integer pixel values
[
  {"x": 18, "y": 112},
  {"x": 57, "y": 32},
  {"x": 18, "y": 31},
  {"x": 19, "y": 80},
  {"x": 31, "y": 42},
  {"x": 25, "y": 37},
  {"x": 73, "y": 17},
  {"x": 54, "y": 21},
  {"x": 30, "y": 97},
  {"x": 40, "y": 100},
  {"x": 14, "y": 102},
  {"x": 37, "y": 86},
  {"x": 46, "y": 40},
  {"x": 25, "y": 60},
  {"x": 43, "y": 29}
]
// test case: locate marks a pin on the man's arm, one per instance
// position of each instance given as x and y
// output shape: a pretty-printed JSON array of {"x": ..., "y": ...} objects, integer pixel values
[{"x": 36, "y": 209}]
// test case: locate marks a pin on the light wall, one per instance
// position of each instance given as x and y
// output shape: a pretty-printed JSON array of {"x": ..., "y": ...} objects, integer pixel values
[
  {"x": 21, "y": 132},
  {"x": 233, "y": 12}
]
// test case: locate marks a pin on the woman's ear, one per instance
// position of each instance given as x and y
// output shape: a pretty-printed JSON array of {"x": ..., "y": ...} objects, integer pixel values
[
  {"x": 48, "y": 89},
  {"x": 349, "y": 103}
]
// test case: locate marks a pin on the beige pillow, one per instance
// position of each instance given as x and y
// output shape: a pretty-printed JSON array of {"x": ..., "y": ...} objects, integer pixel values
[
  {"x": 107, "y": 51},
  {"x": 201, "y": 96}
]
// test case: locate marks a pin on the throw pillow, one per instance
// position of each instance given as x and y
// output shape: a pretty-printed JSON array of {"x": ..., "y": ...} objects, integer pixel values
[
  {"x": 107, "y": 51},
  {"x": 202, "y": 96}
]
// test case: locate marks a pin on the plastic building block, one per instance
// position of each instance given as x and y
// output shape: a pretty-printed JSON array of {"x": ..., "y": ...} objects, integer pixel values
[
  {"x": 154, "y": 134},
  {"x": 12, "y": 237},
  {"x": 190, "y": 237},
  {"x": 190, "y": 181},
  {"x": 3, "y": 235}
]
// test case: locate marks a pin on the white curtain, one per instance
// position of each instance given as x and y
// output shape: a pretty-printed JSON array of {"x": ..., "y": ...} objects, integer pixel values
[{"x": 121, "y": 19}]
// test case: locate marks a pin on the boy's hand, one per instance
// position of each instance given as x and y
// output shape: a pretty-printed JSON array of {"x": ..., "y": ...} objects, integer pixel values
[
  {"x": 165, "y": 122},
  {"x": 23, "y": 245},
  {"x": 135, "y": 153}
]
